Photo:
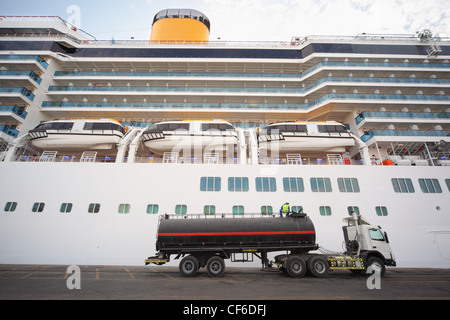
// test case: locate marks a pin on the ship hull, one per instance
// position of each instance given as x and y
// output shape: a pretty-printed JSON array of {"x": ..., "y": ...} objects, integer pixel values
[{"x": 418, "y": 224}]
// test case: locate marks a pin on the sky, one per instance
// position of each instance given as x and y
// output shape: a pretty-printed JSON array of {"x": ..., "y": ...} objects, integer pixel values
[{"x": 247, "y": 20}]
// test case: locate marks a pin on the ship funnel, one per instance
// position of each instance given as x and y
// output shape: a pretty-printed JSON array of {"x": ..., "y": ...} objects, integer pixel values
[{"x": 180, "y": 25}]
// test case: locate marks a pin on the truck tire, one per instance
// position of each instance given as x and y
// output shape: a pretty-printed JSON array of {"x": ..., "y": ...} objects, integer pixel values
[
  {"x": 318, "y": 266},
  {"x": 296, "y": 267},
  {"x": 215, "y": 266},
  {"x": 189, "y": 266},
  {"x": 376, "y": 263}
]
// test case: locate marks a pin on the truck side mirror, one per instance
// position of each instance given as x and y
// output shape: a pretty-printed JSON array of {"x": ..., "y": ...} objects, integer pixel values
[{"x": 386, "y": 237}]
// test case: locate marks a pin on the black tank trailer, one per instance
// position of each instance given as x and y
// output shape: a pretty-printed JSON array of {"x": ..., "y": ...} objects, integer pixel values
[{"x": 206, "y": 241}]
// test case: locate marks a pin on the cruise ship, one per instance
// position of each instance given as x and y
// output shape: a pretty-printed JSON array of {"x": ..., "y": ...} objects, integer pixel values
[{"x": 100, "y": 138}]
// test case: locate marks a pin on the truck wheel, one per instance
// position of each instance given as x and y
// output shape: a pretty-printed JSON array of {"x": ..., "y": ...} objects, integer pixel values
[
  {"x": 215, "y": 266},
  {"x": 376, "y": 264},
  {"x": 189, "y": 266},
  {"x": 296, "y": 267},
  {"x": 318, "y": 266}
]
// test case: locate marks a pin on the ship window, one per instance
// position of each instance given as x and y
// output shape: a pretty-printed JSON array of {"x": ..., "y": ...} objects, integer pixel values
[
  {"x": 237, "y": 184},
  {"x": 266, "y": 210},
  {"x": 124, "y": 208},
  {"x": 209, "y": 210},
  {"x": 381, "y": 211},
  {"x": 38, "y": 207},
  {"x": 217, "y": 126},
  {"x": 430, "y": 186},
  {"x": 351, "y": 209},
  {"x": 152, "y": 208},
  {"x": 331, "y": 128},
  {"x": 293, "y": 185},
  {"x": 94, "y": 208},
  {"x": 66, "y": 207},
  {"x": 210, "y": 183},
  {"x": 402, "y": 185},
  {"x": 265, "y": 184},
  {"x": 447, "y": 182},
  {"x": 180, "y": 209},
  {"x": 325, "y": 211},
  {"x": 348, "y": 184},
  {"x": 297, "y": 209},
  {"x": 238, "y": 210},
  {"x": 10, "y": 206},
  {"x": 320, "y": 185}
]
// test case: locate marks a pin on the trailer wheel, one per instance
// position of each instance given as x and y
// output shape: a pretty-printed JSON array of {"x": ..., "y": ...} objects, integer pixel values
[
  {"x": 318, "y": 266},
  {"x": 377, "y": 264},
  {"x": 215, "y": 266},
  {"x": 189, "y": 266},
  {"x": 296, "y": 267}
]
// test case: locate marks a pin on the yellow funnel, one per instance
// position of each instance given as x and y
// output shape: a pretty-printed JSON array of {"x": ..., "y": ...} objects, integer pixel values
[{"x": 180, "y": 25}]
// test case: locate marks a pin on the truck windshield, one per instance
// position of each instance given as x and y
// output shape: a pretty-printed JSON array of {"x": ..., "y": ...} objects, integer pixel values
[{"x": 375, "y": 234}]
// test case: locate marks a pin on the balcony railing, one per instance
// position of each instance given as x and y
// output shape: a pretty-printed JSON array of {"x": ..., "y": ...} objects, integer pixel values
[
  {"x": 23, "y": 91},
  {"x": 39, "y": 59},
  {"x": 402, "y": 115},
  {"x": 405, "y": 133},
  {"x": 248, "y": 106},
  {"x": 20, "y": 112},
  {"x": 30, "y": 74}
]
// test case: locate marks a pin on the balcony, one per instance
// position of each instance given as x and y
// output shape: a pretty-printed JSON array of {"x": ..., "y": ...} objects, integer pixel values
[
  {"x": 23, "y": 59},
  {"x": 11, "y": 93},
  {"x": 388, "y": 116},
  {"x": 15, "y": 75},
  {"x": 11, "y": 114},
  {"x": 408, "y": 135}
]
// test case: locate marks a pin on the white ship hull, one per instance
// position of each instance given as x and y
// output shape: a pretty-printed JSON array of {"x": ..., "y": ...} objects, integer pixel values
[{"x": 418, "y": 224}]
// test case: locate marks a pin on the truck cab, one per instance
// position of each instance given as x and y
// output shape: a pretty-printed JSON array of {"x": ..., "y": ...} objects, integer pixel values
[{"x": 369, "y": 242}]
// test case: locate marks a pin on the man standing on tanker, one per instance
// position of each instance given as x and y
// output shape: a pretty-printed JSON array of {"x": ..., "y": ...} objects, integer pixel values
[{"x": 285, "y": 209}]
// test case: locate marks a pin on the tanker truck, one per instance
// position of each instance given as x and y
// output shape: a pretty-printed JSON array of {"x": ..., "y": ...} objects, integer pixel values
[{"x": 205, "y": 242}]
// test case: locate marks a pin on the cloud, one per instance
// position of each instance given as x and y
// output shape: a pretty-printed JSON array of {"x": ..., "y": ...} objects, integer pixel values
[{"x": 282, "y": 19}]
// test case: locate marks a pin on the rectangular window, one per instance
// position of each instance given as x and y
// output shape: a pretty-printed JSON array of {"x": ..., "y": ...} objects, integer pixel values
[
  {"x": 237, "y": 184},
  {"x": 10, "y": 206},
  {"x": 265, "y": 184},
  {"x": 351, "y": 209},
  {"x": 181, "y": 209},
  {"x": 152, "y": 208},
  {"x": 238, "y": 210},
  {"x": 124, "y": 208},
  {"x": 210, "y": 183},
  {"x": 94, "y": 208},
  {"x": 348, "y": 184},
  {"x": 38, "y": 207},
  {"x": 297, "y": 209},
  {"x": 293, "y": 185},
  {"x": 320, "y": 185},
  {"x": 430, "y": 186},
  {"x": 66, "y": 207},
  {"x": 266, "y": 210},
  {"x": 402, "y": 185},
  {"x": 325, "y": 211},
  {"x": 381, "y": 211},
  {"x": 209, "y": 210}
]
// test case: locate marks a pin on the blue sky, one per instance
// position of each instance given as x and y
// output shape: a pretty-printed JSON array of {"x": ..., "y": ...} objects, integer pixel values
[{"x": 243, "y": 20}]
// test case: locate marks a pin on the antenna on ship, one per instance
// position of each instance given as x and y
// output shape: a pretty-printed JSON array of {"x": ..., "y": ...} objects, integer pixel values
[{"x": 426, "y": 36}]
